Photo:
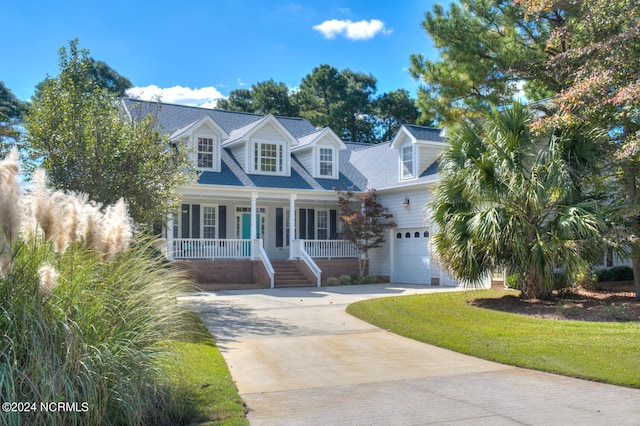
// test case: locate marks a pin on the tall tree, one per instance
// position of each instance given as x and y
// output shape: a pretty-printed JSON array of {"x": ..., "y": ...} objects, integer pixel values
[
  {"x": 508, "y": 200},
  {"x": 11, "y": 112},
  {"x": 76, "y": 130},
  {"x": 365, "y": 221},
  {"x": 239, "y": 100},
  {"x": 265, "y": 97},
  {"x": 392, "y": 110},
  {"x": 341, "y": 100},
  {"x": 102, "y": 75},
  {"x": 320, "y": 97},
  {"x": 487, "y": 51},
  {"x": 596, "y": 56},
  {"x": 270, "y": 97}
]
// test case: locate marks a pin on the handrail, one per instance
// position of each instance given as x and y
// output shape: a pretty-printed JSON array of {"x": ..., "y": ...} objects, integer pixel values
[
  {"x": 262, "y": 255},
  {"x": 315, "y": 269}
]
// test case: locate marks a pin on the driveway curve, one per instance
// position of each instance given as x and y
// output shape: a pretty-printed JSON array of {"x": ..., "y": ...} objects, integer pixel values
[{"x": 298, "y": 358}]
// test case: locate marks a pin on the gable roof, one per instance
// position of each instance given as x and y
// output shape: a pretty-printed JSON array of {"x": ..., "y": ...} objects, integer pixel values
[
  {"x": 191, "y": 126},
  {"x": 418, "y": 134},
  {"x": 243, "y": 133}
]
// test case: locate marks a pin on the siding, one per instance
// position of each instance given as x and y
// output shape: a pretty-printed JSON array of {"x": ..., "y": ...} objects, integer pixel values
[{"x": 306, "y": 159}]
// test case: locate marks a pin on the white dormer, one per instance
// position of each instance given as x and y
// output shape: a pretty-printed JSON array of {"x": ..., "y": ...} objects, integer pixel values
[
  {"x": 204, "y": 138},
  {"x": 263, "y": 147},
  {"x": 417, "y": 148},
  {"x": 319, "y": 153}
]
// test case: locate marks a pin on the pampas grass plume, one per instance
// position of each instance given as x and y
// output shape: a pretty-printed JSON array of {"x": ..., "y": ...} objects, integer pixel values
[
  {"x": 48, "y": 278},
  {"x": 10, "y": 197}
]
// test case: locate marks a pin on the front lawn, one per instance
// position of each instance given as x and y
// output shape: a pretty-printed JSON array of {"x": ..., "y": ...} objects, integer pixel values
[
  {"x": 200, "y": 373},
  {"x": 602, "y": 351}
]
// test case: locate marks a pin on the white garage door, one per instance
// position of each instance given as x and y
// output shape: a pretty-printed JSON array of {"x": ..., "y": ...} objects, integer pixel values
[{"x": 412, "y": 260}]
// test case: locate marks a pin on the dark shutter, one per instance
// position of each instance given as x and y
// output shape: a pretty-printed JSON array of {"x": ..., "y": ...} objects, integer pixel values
[
  {"x": 333, "y": 221},
  {"x": 279, "y": 226},
  {"x": 195, "y": 221},
  {"x": 311, "y": 220},
  {"x": 184, "y": 221},
  {"x": 302, "y": 224},
  {"x": 222, "y": 222}
]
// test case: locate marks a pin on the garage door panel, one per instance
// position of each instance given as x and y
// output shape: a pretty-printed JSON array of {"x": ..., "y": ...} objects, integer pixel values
[{"x": 412, "y": 263}]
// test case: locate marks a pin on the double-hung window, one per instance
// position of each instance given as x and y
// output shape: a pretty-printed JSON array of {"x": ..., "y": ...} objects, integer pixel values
[
  {"x": 407, "y": 162},
  {"x": 205, "y": 152},
  {"x": 322, "y": 224},
  {"x": 208, "y": 222},
  {"x": 268, "y": 157},
  {"x": 326, "y": 162}
]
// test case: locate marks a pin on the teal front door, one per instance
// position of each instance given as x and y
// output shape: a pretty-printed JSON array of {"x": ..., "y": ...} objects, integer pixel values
[
  {"x": 246, "y": 231},
  {"x": 246, "y": 226}
]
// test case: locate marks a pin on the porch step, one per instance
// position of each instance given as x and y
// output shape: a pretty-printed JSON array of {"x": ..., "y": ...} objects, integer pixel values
[{"x": 288, "y": 274}]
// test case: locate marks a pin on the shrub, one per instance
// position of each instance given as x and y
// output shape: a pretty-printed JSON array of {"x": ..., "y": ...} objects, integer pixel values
[
  {"x": 512, "y": 281},
  {"x": 333, "y": 281},
  {"x": 617, "y": 273}
]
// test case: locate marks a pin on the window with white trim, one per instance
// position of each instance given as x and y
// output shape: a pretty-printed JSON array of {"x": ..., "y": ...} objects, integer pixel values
[
  {"x": 268, "y": 157},
  {"x": 205, "y": 152},
  {"x": 208, "y": 222},
  {"x": 326, "y": 162},
  {"x": 322, "y": 224},
  {"x": 407, "y": 162}
]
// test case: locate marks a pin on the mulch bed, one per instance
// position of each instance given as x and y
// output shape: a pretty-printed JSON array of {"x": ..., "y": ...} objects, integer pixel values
[{"x": 612, "y": 302}]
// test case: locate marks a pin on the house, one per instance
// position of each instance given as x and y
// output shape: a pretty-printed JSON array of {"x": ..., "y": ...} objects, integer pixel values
[{"x": 264, "y": 209}]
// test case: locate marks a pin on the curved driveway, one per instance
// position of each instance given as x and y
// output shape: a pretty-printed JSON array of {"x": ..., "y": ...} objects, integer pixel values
[{"x": 299, "y": 359}]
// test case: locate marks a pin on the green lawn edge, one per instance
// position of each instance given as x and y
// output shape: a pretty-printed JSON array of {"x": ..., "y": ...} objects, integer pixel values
[
  {"x": 607, "y": 352},
  {"x": 203, "y": 380}
]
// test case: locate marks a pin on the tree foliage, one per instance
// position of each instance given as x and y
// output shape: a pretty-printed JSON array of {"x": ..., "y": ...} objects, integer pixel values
[
  {"x": 508, "y": 200},
  {"x": 11, "y": 112},
  {"x": 101, "y": 74},
  {"x": 583, "y": 55},
  {"x": 487, "y": 50},
  {"x": 76, "y": 129},
  {"x": 265, "y": 97},
  {"x": 392, "y": 110},
  {"x": 344, "y": 101},
  {"x": 365, "y": 221}
]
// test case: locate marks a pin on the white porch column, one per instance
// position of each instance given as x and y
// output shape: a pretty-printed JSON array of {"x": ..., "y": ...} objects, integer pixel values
[
  {"x": 254, "y": 228},
  {"x": 170, "y": 237},
  {"x": 292, "y": 224}
]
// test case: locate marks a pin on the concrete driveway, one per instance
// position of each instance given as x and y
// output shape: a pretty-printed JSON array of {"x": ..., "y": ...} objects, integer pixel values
[{"x": 299, "y": 359}]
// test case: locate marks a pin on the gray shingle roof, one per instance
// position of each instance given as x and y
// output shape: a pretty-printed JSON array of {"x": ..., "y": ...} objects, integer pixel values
[
  {"x": 361, "y": 166},
  {"x": 425, "y": 133},
  {"x": 172, "y": 117}
]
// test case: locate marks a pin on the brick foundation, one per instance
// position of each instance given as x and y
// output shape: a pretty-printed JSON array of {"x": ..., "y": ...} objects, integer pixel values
[
  {"x": 338, "y": 267},
  {"x": 225, "y": 274}
]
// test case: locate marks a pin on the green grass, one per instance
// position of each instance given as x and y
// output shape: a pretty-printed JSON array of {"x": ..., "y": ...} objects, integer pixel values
[
  {"x": 202, "y": 378},
  {"x": 602, "y": 351}
]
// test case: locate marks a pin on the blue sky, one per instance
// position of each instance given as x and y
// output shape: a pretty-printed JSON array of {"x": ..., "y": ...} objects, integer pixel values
[{"x": 196, "y": 51}]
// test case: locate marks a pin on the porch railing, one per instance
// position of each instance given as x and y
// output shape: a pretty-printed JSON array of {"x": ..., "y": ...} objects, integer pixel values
[
  {"x": 262, "y": 255},
  {"x": 301, "y": 253},
  {"x": 194, "y": 248},
  {"x": 330, "y": 248}
]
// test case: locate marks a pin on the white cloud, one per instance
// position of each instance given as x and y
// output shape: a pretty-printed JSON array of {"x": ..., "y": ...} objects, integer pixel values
[
  {"x": 206, "y": 97},
  {"x": 361, "y": 30}
]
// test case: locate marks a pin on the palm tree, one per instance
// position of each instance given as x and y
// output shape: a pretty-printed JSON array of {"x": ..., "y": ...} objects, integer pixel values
[{"x": 510, "y": 201}]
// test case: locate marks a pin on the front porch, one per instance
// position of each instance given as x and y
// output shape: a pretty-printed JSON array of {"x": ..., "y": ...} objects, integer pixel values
[{"x": 245, "y": 263}]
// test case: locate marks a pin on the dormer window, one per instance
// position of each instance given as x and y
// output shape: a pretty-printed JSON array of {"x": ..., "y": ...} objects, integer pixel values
[
  {"x": 326, "y": 162},
  {"x": 407, "y": 162},
  {"x": 205, "y": 152},
  {"x": 268, "y": 157}
]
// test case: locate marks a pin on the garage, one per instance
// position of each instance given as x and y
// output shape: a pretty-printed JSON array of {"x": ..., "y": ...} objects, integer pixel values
[{"x": 411, "y": 256}]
